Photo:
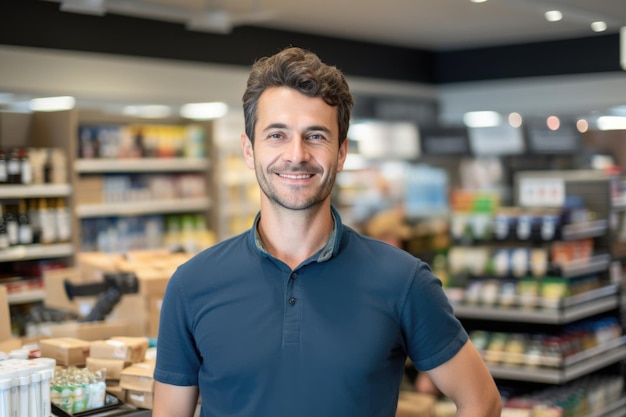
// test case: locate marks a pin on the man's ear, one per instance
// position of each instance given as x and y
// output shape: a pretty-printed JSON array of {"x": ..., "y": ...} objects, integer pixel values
[{"x": 248, "y": 151}]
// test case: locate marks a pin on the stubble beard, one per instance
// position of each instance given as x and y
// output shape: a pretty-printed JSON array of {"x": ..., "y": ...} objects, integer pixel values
[{"x": 293, "y": 199}]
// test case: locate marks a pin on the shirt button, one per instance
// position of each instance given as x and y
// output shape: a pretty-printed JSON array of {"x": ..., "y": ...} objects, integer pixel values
[
  {"x": 292, "y": 300},
  {"x": 294, "y": 275}
]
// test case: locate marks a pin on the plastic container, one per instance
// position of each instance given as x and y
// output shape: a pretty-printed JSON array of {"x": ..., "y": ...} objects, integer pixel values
[
  {"x": 23, "y": 395},
  {"x": 34, "y": 395},
  {"x": 5, "y": 397}
]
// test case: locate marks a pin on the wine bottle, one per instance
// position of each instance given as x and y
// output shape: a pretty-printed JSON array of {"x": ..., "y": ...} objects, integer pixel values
[{"x": 25, "y": 232}]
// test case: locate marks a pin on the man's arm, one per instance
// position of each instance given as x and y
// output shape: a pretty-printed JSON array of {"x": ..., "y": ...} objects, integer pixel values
[
  {"x": 174, "y": 401},
  {"x": 466, "y": 380}
]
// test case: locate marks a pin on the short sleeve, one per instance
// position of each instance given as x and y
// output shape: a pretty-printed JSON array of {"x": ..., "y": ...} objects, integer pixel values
[
  {"x": 177, "y": 359},
  {"x": 433, "y": 334}
]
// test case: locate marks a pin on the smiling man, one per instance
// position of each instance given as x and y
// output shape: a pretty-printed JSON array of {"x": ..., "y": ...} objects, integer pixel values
[{"x": 302, "y": 316}]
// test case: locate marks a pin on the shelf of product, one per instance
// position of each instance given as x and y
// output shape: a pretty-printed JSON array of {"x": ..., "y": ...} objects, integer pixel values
[
  {"x": 592, "y": 396},
  {"x": 30, "y": 296},
  {"x": 36, "y": 251},
  {"x": 552, "y": 358},
  {"x": 107, "y": 165},
  {"x": 35, "y": 190},
  {"x": 135, "y": 208},
  {"x": 569, "y": 308}
]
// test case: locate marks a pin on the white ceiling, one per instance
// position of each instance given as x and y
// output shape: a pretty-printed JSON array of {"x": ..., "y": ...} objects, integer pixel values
[{"x": 429, "y": 24}]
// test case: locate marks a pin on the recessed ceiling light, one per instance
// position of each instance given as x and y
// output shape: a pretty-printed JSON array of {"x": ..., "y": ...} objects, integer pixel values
[
  {"x": 478, "y": 1},
  {"x": 52, "y": 103},
  {"x": 553, "y": 15},
  {"x": 481, "y": 119},
  {"x": 598, "y": 26},
  {"x": 204, "y": 111},
  {"x": 611, "y": 123}
]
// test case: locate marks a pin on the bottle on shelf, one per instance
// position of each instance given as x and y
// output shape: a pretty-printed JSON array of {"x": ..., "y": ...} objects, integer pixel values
[
  {"x": 10, "y": 219},
  {"x": 26, "y": 172},
  {"x": 47, "y": 220},
  {"x": 4, "y": 178},
  {"x": 4, "y": 238},
  {"x": 63, "y": 221},
  {"x": 25, "y": 232},
  {"x": 35, "y": 220},
  {"x": 14, "y": 171}
]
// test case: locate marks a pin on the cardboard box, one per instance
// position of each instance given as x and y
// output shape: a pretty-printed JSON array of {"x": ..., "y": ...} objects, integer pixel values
[
  {"x": 112, "y": 367},
  {"x": 5, "y": 316},
  {"x": 138, "y": 377},
  {"x": 113, "y": 387},
  {"x": 67, "y": 351},
  {"x": 90, "y": 331},
  {"x": 89, "y": 190},
  {"x": 154, "y": 315},
  {"x": 139, "y": 399},
  {"x": 129, "y": 349}
]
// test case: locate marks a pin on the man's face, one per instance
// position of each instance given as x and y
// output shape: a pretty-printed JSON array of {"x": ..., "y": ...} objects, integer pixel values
[{"x": 296, "y": 153}]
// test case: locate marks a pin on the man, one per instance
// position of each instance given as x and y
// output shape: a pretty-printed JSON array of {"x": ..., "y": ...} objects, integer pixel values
[{"x": 301, "y": 316}]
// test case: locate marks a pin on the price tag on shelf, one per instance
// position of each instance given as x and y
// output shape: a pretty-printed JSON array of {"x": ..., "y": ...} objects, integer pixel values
[{"x": 541, "y": 192}]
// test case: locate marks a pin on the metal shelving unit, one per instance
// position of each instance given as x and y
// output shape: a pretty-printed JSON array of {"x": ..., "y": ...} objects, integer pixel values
[
  {"x": 571, "y": 309},
  {"x": 574, "y": 367}
]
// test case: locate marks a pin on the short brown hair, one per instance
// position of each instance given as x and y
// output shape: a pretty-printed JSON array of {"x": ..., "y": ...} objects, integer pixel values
[{"x": 303, "y": 71}]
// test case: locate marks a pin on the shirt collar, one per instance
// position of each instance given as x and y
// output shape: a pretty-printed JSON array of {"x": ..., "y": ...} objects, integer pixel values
[{"x": 324, "y": 254}]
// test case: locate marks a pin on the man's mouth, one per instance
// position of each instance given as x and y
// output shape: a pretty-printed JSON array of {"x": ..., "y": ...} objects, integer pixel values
[{"x": 296, "y": 176}]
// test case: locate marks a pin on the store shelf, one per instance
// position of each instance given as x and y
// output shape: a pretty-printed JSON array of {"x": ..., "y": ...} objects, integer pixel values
[
  {"x": 616, "y": 409},
  {"x": 572, "y": 309},
  {"x": 595, "y": 264},
  {"x": 27, "y": 297},
  {"x": 29, "y": 252},
  {"x": 38, "y": 190},
  {"x": 101, "y": 166},
  {"x": 138, "y": 208},
  {"x": 584, "y": 230},
  {"x": 575, "y": 366}
]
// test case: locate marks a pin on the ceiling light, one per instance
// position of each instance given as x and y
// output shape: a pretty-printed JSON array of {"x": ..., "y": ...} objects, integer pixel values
[
  {"x": 582, "y": 125},
  {"x": 553, "y": 123},
  {"x": 52, "y": 103},
  {"x": 481, "y": 119},
  {"x": 478, "y": 1},
  {"x": 151, "y": 111},
  {"x": 203, "y": 111},
  {"x": 553, "y": 15},
  {"x": 515, "y": 119},
  {"x": 611, "y": 123},
  {"x": 598, "y": 26}
]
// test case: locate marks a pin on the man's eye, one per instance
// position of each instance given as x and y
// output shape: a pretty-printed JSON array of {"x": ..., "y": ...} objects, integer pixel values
[{"x": 316, "y": 136}]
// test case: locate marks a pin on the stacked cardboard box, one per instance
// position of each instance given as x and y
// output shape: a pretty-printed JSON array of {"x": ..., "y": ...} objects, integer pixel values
[
  {"x": 7, "y": 341},
  {"x": 140, "y": 311}
]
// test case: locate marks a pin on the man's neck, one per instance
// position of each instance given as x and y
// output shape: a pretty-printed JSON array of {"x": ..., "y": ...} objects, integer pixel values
[{"x": 294, "y": 235}]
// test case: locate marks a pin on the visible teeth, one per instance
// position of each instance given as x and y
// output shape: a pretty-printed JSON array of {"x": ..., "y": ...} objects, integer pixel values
[{"x": 296, "y": 177}]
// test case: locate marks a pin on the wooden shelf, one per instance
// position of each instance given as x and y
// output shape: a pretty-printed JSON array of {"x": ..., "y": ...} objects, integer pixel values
[
  {"x": 138, "y": 208},
  {"x": 30, "y": 252},
  {"x": 38, "y": 190},
  {"x": 131, "y": 165}
]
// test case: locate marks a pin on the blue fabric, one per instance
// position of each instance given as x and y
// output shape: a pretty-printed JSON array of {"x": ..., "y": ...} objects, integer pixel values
[{"x": 329, "y": 338}]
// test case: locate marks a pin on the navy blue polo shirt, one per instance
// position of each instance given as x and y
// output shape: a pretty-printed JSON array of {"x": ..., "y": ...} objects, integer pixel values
[{"x": 328, "y": 338}]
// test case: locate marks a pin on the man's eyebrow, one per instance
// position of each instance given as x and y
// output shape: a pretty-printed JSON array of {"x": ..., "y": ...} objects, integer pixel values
[
  {"x": 318, "y": 128},
  {"x": 314, "y": 128}
]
